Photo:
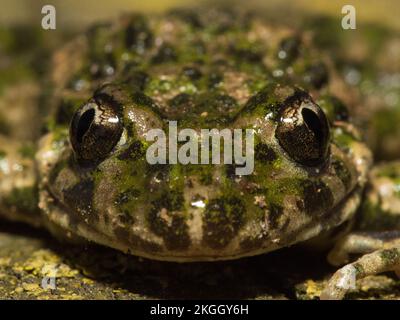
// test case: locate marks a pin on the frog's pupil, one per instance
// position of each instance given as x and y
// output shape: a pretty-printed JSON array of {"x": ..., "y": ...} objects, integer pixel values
[
  {"x": 313, "y": 123},
  {"x": 84, "y": 123}
]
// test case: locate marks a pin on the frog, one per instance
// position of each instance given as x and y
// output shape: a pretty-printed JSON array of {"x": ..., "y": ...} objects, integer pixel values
[{"x": 82, "y": 173}]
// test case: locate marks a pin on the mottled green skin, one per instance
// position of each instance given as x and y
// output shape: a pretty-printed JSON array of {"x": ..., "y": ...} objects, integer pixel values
[
  {"x": 209, "y": 70},
  {"x": 223, "y": 74}
]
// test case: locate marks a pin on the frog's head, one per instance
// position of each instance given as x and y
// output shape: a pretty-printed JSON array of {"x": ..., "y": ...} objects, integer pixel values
[{"x": 309, "y": 166}]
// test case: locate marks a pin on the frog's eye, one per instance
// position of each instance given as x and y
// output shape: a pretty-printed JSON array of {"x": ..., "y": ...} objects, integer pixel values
[
  {"x": 95, "y": 130},
  {"x": 303, "y": 130}
]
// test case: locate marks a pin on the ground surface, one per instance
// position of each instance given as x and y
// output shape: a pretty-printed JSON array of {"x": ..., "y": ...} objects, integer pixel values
[{"x": 27, "y": 256}]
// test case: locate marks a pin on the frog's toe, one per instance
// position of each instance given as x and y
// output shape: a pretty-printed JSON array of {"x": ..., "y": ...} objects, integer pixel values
[
  {"x": 373, "y": 263},
  {"x": 340, "y": 283}
]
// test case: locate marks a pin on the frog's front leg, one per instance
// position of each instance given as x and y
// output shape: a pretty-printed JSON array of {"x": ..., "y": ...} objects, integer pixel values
[
  {"x": 18, "y": 182},
  {"x": 377, "y": 235}
]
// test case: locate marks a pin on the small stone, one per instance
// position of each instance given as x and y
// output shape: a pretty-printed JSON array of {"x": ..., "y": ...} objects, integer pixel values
[
  {"x": 19, "y": 290},
  {"x": 30, "y": 286}
]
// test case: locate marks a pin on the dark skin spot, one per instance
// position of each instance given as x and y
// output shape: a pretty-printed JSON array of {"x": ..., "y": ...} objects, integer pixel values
[
  {"x": 158, "y": 171},
  {"x": 246, "y": 54},
  {"x": 192, "y": 73},
  {"x": 359, "y": 269},
  {"x": 106, "y": 219},
  {"x": 180, "y": 105},
  {"x": 291, "y": 48},
  {"x": 342, "y": 172},
  {"x": 230, "y": 170},
  {"x": 264, "y": 153},
  {"x": 206, "y": 178},
  {"x": 335, "y": 109},
  {"x": 300, "y": 205},
  {"x": 251, "y": 243},
  {"x": 134, "y": 152},
  {"x": 218, "y": 106},
  {"x": 137, "y": 79},
  {"x": 144, "y": 245},
  {"x": 80, "y": 198},
  {"x": 260, "y": 100},
  {"x": 275, "y": 211},
  {"x": 316, "y": 75},
  {"x": 138, "y": 36},
  {"x": 317, "y": 197},
  {"x": 142, "y": 100},
  {"x": 166, "y": 53},
  {"x": 135, "y": 241},
  {"x": 111, "y": 96},
  {"x": 55, "y": 171},
  {"x": 121, "y": 234},
  {"x": 214, "y": 79},
  {"x": 125, "y": 196},
  {"x": 222, "y": 220},
  {"x": 224, "y": 103},
  {"x": 340, "y": 110},
  {"x": 390, "y": 256},
  {"x": 102, "y": 66},
  {"x": 172, "y": 227},
  {"x": 126, "y": 218},
  {"x": 130, "y": 129},
  {"x": 102, "y": 62}
]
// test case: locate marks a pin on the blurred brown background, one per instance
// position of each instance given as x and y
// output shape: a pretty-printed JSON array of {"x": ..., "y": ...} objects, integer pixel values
[{"x": 78, "y": 13}]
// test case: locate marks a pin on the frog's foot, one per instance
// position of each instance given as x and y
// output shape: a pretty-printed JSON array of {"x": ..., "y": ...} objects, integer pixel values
[{"x": 384, "y": 248}]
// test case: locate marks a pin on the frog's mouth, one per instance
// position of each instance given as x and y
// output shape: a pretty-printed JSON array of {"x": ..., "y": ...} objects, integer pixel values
[{"x": 60, "y": 215}]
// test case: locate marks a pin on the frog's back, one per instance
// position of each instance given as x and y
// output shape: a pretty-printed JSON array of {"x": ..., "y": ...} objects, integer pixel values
[{"x": 191, "y": 58}]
